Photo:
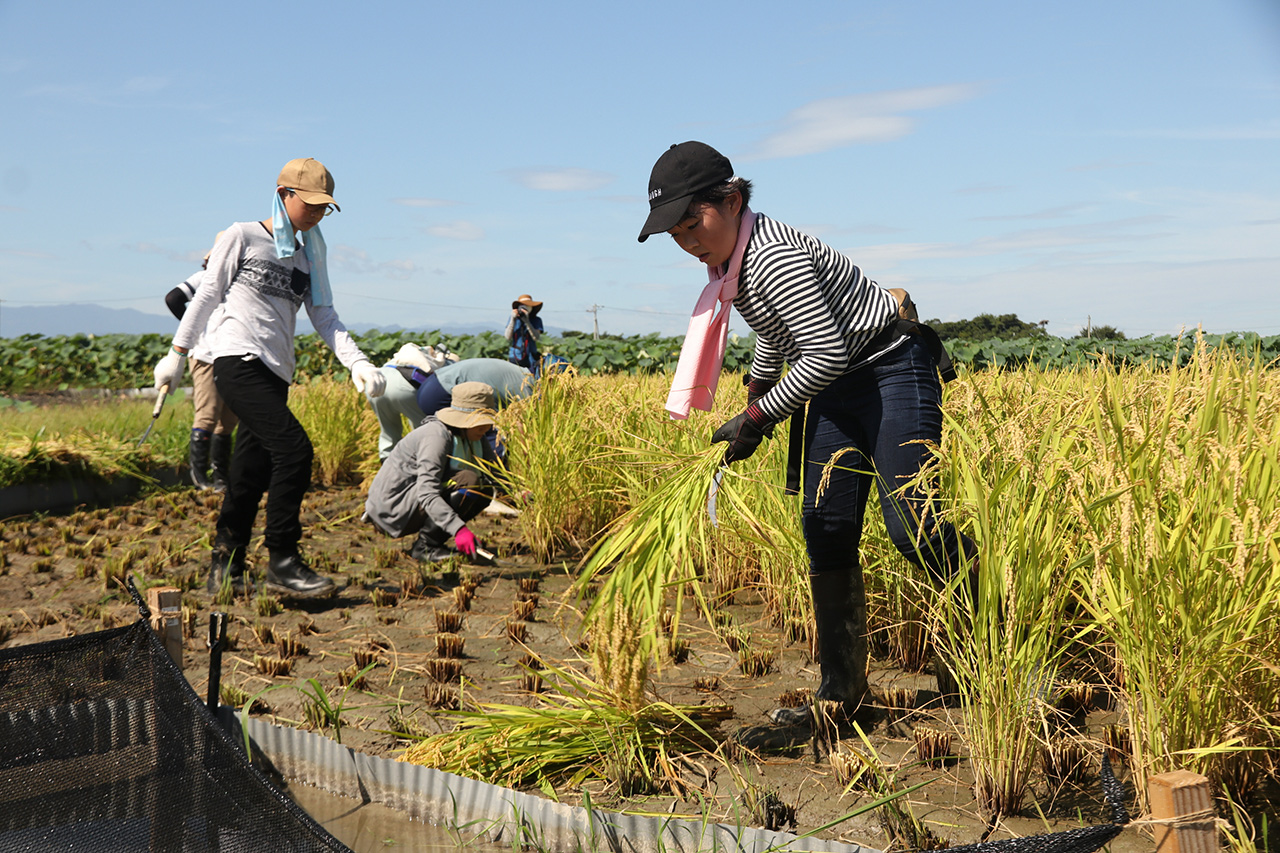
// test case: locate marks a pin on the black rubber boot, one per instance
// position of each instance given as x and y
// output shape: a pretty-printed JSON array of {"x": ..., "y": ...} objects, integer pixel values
[
  {"x": 429, "y": 547},
  {"x": 199, "y": 459},
  {"x": 227, "y": 563},
  {"x": 220, "y": 460},
  {"x": 289, "y": 575},
  {"x": 840, "y": 610}
]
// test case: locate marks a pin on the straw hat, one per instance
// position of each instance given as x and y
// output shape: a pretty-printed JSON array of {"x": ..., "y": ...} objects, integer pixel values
[
  {"x": 527, "y": 301},
  {"x": 472, "y": 404}
]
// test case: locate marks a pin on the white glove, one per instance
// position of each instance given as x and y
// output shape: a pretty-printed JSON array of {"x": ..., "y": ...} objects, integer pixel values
[
  {"x": 412, "y": 355},
  {"x": 367, "y": 378},
  {"x": 169, "y": 370}
]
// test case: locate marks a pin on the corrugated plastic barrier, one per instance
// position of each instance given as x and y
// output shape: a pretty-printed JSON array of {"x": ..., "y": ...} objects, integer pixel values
[{"x": 495, "y": 814}]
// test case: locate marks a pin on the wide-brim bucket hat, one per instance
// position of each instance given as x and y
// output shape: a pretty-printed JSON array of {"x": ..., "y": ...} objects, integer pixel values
[{"x": 472, "y": 404}]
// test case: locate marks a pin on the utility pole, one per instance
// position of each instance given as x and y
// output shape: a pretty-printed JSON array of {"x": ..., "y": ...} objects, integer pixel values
[{"x": 595, "y": 322}]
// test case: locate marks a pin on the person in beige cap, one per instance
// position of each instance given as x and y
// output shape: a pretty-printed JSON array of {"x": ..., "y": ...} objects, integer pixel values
[
  {"x": 523, "y": 330},
  {"x": 439, "y": 477},
  {"x": 212, "y": 422},
  {"x": 259, "y": 275}
]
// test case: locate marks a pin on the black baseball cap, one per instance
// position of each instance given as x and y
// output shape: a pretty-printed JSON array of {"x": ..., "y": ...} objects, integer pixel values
[{"x": 680, "y": 172}]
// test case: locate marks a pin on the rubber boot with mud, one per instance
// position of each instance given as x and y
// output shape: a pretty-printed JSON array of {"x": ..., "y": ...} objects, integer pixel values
[
  {"x": 227, "y": 566},
  {"x": 288, "y": 575},
  {"x": 840, "y": 611},
  {"x": 198, "y": 459},
  {"x": 429, "y": 547},
  {"x": 220, "y": 460}
]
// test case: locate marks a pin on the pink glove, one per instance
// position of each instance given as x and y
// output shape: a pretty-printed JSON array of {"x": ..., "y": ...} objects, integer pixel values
[{"x": 466, "y": 542}]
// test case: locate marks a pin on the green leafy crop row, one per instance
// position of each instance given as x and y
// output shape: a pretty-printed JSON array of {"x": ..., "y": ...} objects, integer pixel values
[{"x": 37, "y": 363}]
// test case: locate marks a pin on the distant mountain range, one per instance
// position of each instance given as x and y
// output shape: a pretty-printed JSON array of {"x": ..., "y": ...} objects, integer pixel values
[{"x": 57, "y": 320}]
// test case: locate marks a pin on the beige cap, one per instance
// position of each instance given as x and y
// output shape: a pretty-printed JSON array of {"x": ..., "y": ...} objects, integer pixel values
[
  {"x": 471, "y": 404},
  {"x": 308, "y": 178}
]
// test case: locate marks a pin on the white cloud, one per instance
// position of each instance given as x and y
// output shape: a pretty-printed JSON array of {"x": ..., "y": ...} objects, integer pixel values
[
  {"x": 192, "y": 256},
  {"x": 460, "y": 230},
  {"x": 854, "y": 119},
  {"x": 352, "y": 260},
  {"x": 1111, "y": 234},
  {"x": 560, "y": 180},
  {"x": 1060, "y": 212}
]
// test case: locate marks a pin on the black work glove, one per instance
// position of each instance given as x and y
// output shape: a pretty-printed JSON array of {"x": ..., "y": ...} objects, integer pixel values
[
  {"x": 744, "y": 433},
  {"x": 757, "y": 388}
]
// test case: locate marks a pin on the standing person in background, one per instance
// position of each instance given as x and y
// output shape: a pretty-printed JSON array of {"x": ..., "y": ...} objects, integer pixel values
[
  {"x": 871, "y": 385},
  {"x": 213, "y": 421},
  {"x": 257, "y": 279},
  {"x": 523, "y": 330}
]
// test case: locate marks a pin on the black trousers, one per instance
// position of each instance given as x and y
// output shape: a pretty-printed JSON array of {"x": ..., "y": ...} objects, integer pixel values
[{"x": 272, "y": 455}]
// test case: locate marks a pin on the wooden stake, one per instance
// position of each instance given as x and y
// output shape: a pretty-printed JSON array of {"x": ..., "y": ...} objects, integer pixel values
[
  {"x": 166, "y": 618},
  {"x": 1182, "y": 809}
]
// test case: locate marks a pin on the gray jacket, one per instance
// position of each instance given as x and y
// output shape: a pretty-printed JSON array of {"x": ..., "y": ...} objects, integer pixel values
[{"x": 415, "y": 476}]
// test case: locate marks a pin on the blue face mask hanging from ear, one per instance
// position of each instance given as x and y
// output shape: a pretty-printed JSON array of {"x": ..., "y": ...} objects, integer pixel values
[{"x": 317, "y": 254}]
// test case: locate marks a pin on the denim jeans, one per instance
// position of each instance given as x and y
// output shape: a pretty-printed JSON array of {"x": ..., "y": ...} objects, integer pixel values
[
  {"x": 432, "y": 397},
  {"x": 876, "y": 418},
  {"x": 272, "y": 454}
]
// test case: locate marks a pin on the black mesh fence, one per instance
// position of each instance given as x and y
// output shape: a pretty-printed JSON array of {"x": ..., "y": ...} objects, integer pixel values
[
  {"x": 104, "y": 746},
  {"x": 1085, "y": 839}
]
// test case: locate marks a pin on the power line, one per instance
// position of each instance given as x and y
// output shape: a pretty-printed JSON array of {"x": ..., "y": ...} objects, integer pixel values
[
  {"x": 94, "y": 302},
  {"x": 591, "y": 310},
  {"x": 643, "y": 311},
  {"x": 1129, "y": 330}
]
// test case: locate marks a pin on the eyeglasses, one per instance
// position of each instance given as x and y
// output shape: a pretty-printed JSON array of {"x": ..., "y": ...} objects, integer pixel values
[{"x": 328, "y": 208}]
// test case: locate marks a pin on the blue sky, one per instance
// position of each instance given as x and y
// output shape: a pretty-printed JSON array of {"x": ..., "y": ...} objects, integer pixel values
[{"x": 1114, "y": 162}]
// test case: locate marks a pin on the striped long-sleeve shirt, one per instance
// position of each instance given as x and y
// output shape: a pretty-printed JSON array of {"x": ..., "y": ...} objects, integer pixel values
[{"x": 809, "y": 306}]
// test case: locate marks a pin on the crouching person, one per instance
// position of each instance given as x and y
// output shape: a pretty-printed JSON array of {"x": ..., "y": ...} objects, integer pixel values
[{"x": 439, "y": 477}]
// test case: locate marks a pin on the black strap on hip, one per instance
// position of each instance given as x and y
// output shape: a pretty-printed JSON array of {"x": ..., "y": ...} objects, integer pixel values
[{"x": 798, "y": 441}]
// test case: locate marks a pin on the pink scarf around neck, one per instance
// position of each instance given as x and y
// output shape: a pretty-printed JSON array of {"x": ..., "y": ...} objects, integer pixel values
[{"x": 702, "y": 355}]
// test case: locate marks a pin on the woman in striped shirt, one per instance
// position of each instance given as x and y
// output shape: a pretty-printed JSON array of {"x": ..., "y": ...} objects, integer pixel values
[{"x": 873, "y": 393}]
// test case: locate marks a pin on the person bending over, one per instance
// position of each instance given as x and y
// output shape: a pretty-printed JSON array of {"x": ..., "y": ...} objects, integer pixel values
[{"x": 870, "y": 387}]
